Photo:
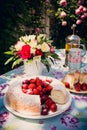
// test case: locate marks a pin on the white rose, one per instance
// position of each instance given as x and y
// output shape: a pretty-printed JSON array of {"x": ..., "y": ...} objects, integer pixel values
[
  {"x": 45, "y": 47},
  {"x": 33, "y": 43},
  {"x": 27, "y": 38},
  {"x": 41, "y": 37},
  {"x": 32, "y": 37},
  {"x": 24, "y": 38},
  {"x": 39, "y": 46},
  {"x": 19, "y": 45}
]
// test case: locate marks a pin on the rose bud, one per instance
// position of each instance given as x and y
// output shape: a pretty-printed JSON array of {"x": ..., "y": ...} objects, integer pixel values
[
  {"x": 37, "y": 30},
  {"x": 83, "y": 16},
  {"x": 84, "y": 9},
  {"x": 80, "y": 1},
  {"x": 63, "y": 3},
  {"x": 81, "y": 8},
  {"x": 79, "y": 21},
  {"x": 64, "y": 23},
  {"x": 77, "y": 11},
  {"x": 52, "y": 49},
  {"x": 63, "y": 14}
]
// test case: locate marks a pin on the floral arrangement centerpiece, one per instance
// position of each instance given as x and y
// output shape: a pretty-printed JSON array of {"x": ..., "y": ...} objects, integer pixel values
[{"x": 32, "y": 47}]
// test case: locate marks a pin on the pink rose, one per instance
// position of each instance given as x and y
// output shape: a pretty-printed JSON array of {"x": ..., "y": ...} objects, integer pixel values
[
  {"x": 63, "y": 14},
  {"x": 77, "y": 11},
  {"x": 64, "y": 23},
  {"x": 83, "y": 16},
  {"x": 79, "y": 21},
  {"x": 63, "y": 3}
]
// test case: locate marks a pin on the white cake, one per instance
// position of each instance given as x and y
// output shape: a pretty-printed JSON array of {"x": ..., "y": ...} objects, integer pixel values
[
  {"x": 21, "y": 102},
  {"x": 59, "y": 94},
  {"x": 29, "y": 104},
  {"x": 75, "y": 77}
]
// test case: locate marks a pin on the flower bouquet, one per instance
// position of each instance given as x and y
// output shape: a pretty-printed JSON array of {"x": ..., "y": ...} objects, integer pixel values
[{"x": 32, "y": 47}]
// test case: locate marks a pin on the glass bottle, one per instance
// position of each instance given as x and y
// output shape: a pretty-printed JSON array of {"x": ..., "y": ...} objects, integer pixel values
[{"x": 72, "y": 41}]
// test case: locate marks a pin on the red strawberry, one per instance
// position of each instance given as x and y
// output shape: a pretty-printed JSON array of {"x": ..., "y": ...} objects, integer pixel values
[
  {"x": 44, "y": 90},
  {"x": 39, "y": 81},
  {"x": 44, "y": 98},
  {"x": 84, "y": 87},
  {"x": 35, "y": 91},
  {"x": 31, "y": 86},
  {"x": 26, "y": 82},
  {"x": 53, "y": 107},
  {"x": 32, "y": 80},
  {"x": 45, "y": 84},
  {"x": 77, "y": 86},
  {"x": 44, "y": 110},
  {"x": 24, "y": 90},
  {"x": 49, "y": 80},
  {"x": 29, "y": 91},
  {"x": 67, "y": 85},
  {"x": 39, "y": 88},
  {"x": 49, "y": 102},
  {"x": 49, "y": 88},
  {"x": 25, "y": 86}
]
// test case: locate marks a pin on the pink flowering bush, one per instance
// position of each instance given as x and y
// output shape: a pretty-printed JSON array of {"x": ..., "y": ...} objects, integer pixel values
[
  {"x": 30, "y": 47},
  {"x": 73, "y": 10}
]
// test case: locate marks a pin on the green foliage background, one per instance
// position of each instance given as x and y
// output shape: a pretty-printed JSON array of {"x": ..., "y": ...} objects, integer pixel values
[
  {"x": 58, "y": 32},
  {"x": 20, "y": 17}
]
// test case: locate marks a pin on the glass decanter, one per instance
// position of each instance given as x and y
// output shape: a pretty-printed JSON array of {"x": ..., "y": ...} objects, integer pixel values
[{"x": 72, "y": 41}]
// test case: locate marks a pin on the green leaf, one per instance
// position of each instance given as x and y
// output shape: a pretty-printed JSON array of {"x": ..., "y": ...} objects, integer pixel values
[
  {"x": 9, "y": 52},
  {"x": 9, "y": 60},
  {"x": 46, "y": 63},
  {"x": 16, "y": 62},
  {"x": 54, "y": 55}
]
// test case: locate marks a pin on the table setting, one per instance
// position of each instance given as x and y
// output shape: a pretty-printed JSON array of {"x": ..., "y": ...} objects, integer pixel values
[
  {"x": 48, "y": 91},
  {"x": 73, "y": 115}
]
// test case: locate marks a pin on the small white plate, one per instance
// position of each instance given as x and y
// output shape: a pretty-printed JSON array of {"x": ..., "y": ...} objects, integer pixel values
[
  {"x": 61, "y": 108},
  {"x": 76, "y": 92}
]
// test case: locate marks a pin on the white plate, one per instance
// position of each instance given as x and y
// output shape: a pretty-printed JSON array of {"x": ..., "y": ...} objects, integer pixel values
[
  {"x": 61, "y": 108},
  {"x": 76, "y": 92}
]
